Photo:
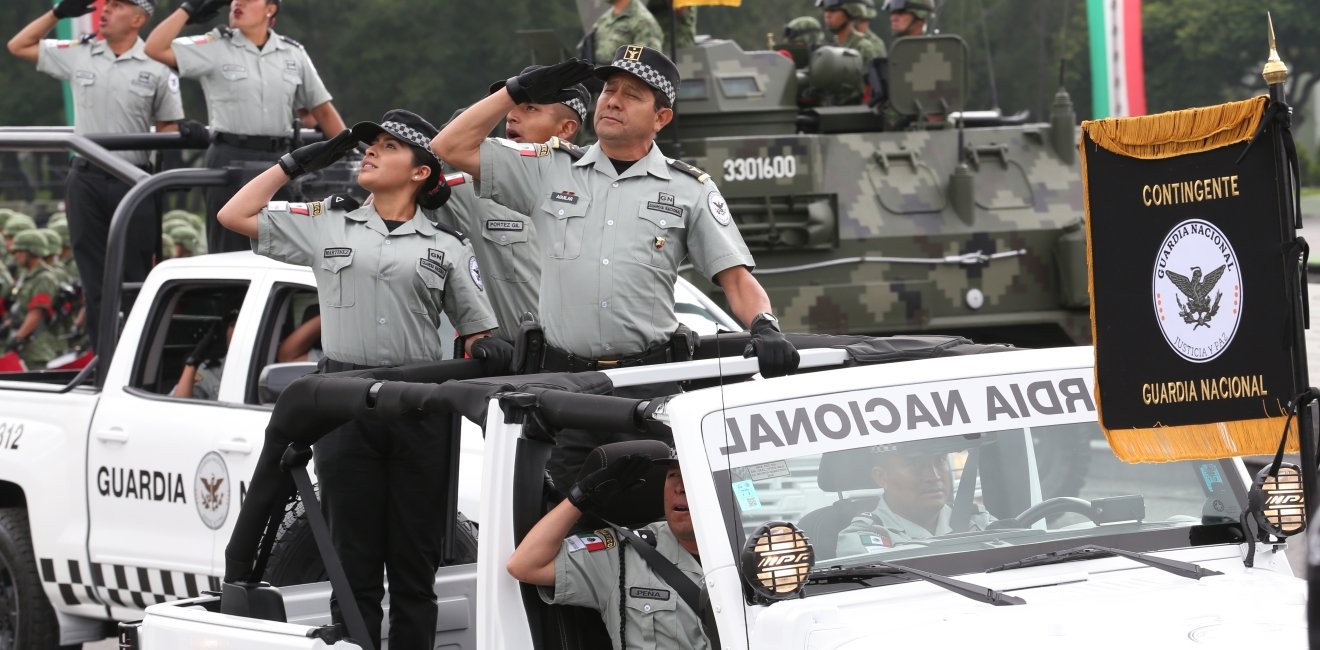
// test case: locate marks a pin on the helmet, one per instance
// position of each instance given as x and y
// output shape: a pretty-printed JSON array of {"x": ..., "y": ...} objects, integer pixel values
[
  {"x": 53, "y": 241},
  {"x": 5, "y": 213},
  {"x": 166, "y": 246},
  {"x": 31, "y": 241},
  {"x": 57, "y": 217},
  {"x": 922, "y": 9},
  {"x": 803, "y": 30},
  {"x": 60, "y": 228},
  {"x": 193, "y": 220},
  {"x": 186, "y": 237},
  {"x": 18, "y": 222},
  {"x": 864, "y": 9}
]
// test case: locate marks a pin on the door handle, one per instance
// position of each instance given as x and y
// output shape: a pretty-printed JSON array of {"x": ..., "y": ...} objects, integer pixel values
[
  {"x": 113, "y": 434},
  {"x": 236, "y": 446}
]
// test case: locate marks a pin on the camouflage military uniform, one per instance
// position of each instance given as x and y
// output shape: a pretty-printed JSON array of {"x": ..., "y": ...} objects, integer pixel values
[
  {"x": 37, "y": 290},
  {"x": 634, "y": 26},
  {"x": 882, "y": 528},
  {"x": 867, "y": 44}
]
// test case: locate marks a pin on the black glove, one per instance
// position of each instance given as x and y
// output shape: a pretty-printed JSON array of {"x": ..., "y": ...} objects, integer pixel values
[
  {"x": 201, "y": 351},
  {"x": 202, "y": 11},
  {"x": 595, "y": 490},
  {"x": 194, "y": 133},
  {"x": 496, "y": 355},
  {"x": 15, "y": 344},
  {"x": 318, "y": 155},
  {"x": 543, "y": 85},
  {"x": 73, "y": 8},
  {"x": 776, "y": 356}
]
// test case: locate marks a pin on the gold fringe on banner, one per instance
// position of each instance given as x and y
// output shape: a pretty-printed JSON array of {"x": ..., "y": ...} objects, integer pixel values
[
  {"x": 1176, "y": 133},
  {"x": 1167, "y": 135}
]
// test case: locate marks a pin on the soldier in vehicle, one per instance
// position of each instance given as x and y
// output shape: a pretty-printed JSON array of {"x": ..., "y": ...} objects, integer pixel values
[
  {"x": 116, "y": 89},
  {"x": 908, "y": 17},
  {"x": 627, "y": 21},
  {"x": 254, "y": 80},
  {"x": 185, "y": 241},
  {"x": 504, "y": 240},
  {"x": 615, "y": 221},
  {"x": 803, "y": 30},
  {"x": 596, "y": 570},
  {"x": 34, "y": 299},
  {"x": 205, "y": 364},
  {"x": 840, "y": 18},
  {"x": 914, "y": 504}
]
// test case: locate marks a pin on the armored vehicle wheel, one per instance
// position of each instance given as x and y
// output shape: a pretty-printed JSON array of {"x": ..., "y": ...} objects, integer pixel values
[
  {"x": 294, "y": 559},
  {"x": 26, "y": 617}
]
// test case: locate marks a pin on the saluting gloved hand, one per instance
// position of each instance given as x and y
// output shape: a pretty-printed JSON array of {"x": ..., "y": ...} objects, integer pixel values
[
  {"x": 496, "y": 355},
  {"x": 597, "y": 489},
  {"x": 73, "y": 8},
  {"x": 775, "y": 354},
  {"x": 318, "y": 155},
  {"x": 202, "y": 11},
  {"x": 201, "y": 351},
  {"x": 542, "y": 85}
]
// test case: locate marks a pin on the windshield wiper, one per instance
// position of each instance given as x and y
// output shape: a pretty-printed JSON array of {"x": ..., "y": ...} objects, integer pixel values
[
  {"x": 878, "y": 569},
  {"x": 1089, "y": 551}
]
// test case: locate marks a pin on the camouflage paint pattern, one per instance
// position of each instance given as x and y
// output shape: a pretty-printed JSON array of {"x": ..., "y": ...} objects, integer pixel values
[{"x": 853, "y": 232}]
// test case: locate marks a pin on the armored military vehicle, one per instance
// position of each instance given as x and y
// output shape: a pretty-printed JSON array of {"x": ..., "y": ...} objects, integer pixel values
[{"x": 959, "y": 222}]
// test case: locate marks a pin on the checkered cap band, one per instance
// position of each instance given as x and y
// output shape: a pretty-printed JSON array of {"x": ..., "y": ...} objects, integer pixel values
[
  {"x": 146, "y": 5},
  {"x": 410, "y": 135},
  {"x": 579, "y": 106},
  {"x": 646, "y": 73}
]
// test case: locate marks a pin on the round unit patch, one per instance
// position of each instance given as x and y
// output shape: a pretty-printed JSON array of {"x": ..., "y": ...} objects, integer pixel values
[
  {"x": 211, "y": 490},
  {"x": 719, "y": 208},
  {"x": 1197, "y": 290},
  {"x": 476, "y": 272}
]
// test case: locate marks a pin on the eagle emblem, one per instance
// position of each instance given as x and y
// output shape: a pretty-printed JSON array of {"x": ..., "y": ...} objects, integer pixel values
[
  {"x": 211, "y": 497},
  {"x": 1198, "y": 310}
]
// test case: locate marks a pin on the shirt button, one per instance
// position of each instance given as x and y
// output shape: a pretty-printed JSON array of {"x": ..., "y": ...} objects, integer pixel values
[
  {"x": 609, "y": 346},
  {"x": 604, "y": 304},
  {"x": 614, "y": 184},
  {"x": 561, "y": 211},
  {"x": 504, "y": 238},
  {"x": 609, "y": 222},
  {"x": 380, "y": 276},
  {"x": 646, "y": 608},
  {"x": 605, "y": 261},
  {"x": 388, "y": 242},
  {"x": 662, "y": 222},
  {"x": 381, "y": 320}
]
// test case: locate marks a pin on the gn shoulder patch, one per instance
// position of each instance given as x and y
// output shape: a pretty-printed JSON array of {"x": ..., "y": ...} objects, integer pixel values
[
  {"x": 592, "y": 541},
  {"x": 567, "y": 147},
  {"x": 701, "y": 176}
]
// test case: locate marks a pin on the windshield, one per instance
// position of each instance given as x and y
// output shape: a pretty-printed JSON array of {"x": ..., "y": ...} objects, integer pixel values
[{"x": 988, "y": 469}]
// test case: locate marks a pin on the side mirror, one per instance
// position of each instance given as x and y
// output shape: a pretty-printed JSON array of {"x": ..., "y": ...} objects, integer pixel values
[{"x": 276, "y": 377}]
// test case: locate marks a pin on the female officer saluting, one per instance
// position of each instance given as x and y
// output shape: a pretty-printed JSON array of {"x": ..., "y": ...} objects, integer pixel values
[{"x": 384, "y": 273}]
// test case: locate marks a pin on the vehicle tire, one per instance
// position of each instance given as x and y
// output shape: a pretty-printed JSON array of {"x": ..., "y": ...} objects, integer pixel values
[
  {"x": 294, "y": 559},
  {"x": 26, "y": 618},
  {"x": 1063, "y": 458}
]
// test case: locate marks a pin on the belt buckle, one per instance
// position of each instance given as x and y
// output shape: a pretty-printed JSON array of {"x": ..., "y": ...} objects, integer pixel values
[{"x": 608, "y": 363}]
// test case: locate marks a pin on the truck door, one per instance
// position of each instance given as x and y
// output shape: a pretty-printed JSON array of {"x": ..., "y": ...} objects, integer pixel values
[{"x": 159, "y": 478}]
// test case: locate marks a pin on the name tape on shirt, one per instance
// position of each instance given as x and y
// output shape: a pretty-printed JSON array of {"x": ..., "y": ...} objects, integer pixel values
[
  {"x": 564, "y": 197},
  {"x": 496, "y": 224},
  {"x": 592, "y": 541},
  {"x": 337, "y": 252},
  {"x": 661, "y": 207},
  {"x": 529, "y": 149},
  {"x": 648, "y": 593},
  {"x": 763, "y": 433},
  {"x": 434, "y": 268}
]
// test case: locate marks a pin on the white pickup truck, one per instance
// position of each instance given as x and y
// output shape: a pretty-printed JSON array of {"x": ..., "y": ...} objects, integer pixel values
[
  {"x": 1145, "y": 555},
  {"x": 116, "y": 498}
]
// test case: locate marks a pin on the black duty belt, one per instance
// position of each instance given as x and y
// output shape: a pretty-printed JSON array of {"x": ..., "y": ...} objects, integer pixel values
[
  {"x": 326, "y": 364},
  {"x": 556, "y": 360},
  {"x": 252, "y": 142},
  {"x": 84, "y": 165}
]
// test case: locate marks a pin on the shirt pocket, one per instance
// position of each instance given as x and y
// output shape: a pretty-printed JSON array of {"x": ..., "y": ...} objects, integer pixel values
[
  {"x": 567, "y": 230},
  {"x": 338, "y": 288},
  {"x": 85, "y": 80},
  {"x": 428, "y": 296},
  {"x": 233, "y": 76},
  {"x": 657, "y": 232},
  {"x": 653, "y": 619},
  {"x": 511, "y": 253}
]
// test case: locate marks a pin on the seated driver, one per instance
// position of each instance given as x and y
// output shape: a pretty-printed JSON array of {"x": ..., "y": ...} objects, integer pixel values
[
  {"x": 595, "y": 569},
  {"x": 205, "y": 365},
  {"x": 914, "y": 504}
]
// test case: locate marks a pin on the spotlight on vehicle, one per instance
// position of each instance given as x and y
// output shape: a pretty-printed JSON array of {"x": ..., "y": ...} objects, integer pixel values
[
  {"x": 776, "y": 561},
  {"x": 1276, "y": 500}
]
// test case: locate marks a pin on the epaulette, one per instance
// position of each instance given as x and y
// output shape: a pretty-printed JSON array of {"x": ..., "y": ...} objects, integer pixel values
[
  {"x": 701, "y": 176},
  {"x": 225, "y": 31},
  {"x": 87, "y": 38},
  {"x": 292, "y": 42},
  {"x": 449, "y": 230},
  {"x": 341, "y": 202},
  {"x": 567, "y": 147},
  {"x": 646, "y": 535}
]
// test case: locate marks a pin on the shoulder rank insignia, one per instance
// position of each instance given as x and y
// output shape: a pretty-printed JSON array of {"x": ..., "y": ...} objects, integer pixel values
[
  {"x": 701, "y": 176},
  {"x": 646, "y": 535},
  {"x": 566, "y": 147},
  {"x": 292, "y": 42},
  {"x": 87, "y": 38},
  {"x": 342, "y": 202},
  {"x": 225, "y": 31},
  {"x": 591, "y": 541}
]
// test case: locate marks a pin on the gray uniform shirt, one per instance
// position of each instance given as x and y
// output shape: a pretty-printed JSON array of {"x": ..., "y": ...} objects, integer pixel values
[
  {"x": 381, "y": 292},
  {"x": 505, "y": 243},
  {"x": 587, "y": 575},
  {"x": 611, "y": 243},
  {"x": 250, "y": 90},
  {"x": 882, "y": 528},
  {"x": 128, "y": 93},
  {"x": 206, "y": 384}
]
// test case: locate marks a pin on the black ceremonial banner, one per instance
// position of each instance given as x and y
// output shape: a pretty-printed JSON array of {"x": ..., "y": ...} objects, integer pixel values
[{"x": 1189, "y": 303}]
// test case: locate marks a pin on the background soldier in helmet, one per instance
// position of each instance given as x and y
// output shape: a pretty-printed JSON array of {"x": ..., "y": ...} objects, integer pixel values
[
  {"x": 803, "y": 31},
  {"x": 908, "y": 17},
  {"x": 33, "y": 309},
  {"x": 839, "y": 18},
  {"x": 627, "y": 21}
]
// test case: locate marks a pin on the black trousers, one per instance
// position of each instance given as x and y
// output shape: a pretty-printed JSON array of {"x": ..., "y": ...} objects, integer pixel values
[
  {"x": 91, "y": 197},
  {"x": 573, "y": 445},
  {"x": 252, "y": 162},
  {"x": 383, "y": 492}
]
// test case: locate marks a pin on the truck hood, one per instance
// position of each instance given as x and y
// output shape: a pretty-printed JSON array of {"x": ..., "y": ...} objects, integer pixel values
[{"x": 1067, "y": 606}]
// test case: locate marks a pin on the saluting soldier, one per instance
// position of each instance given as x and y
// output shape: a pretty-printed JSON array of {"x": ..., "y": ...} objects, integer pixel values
[
  {"x": 34, "y": 299},
  {"x": 116, "y": 89},
  {"x": 615, "y": 221},
  {"x": 384, "y": 273},
  {"x": 254, "y": 81},
  {"x": 504, "y": 240}
]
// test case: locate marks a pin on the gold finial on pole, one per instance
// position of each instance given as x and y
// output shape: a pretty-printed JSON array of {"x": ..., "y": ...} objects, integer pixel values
[
  {"x": 770, "y": 40},
  {"x": 1275, "y": 71}
]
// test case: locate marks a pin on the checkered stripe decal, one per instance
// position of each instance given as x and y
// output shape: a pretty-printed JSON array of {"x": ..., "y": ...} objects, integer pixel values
[
  {"x": 126, "y": 586},
  {"x": 577, "y": 105},
  {"x": 409, "y": 134},
  {"x": 648, "y": 74}
]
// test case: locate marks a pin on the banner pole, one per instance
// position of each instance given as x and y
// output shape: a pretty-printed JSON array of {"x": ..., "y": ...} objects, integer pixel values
[{"x": 1276, "y": 74}]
